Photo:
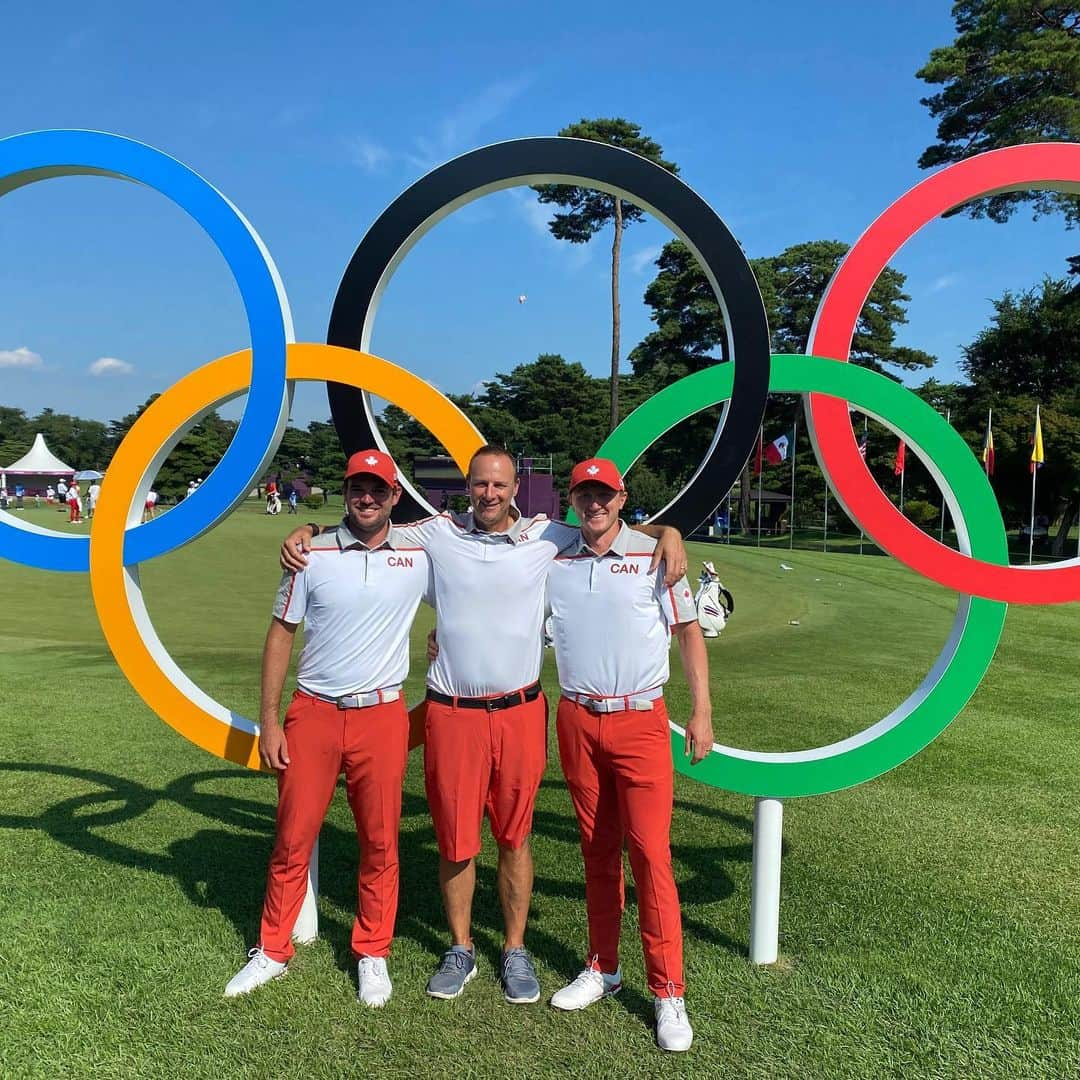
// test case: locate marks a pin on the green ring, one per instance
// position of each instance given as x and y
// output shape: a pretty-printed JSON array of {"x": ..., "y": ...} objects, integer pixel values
[{"x": 976, "y": 629}]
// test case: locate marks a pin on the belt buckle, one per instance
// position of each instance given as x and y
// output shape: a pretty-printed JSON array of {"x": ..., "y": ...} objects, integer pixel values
[{"x": 492, "y": 704}]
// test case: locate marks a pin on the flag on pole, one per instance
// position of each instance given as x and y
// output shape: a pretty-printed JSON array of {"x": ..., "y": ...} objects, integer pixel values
[
  {"x": 862, "y": 445},
  {"x": 777, "y": 450},
  {"x": 898, "y": 465},
  {"x": 758, "y": 454},
  {"x": 1037, "y": 456},
  {"x": 988, "y": 449}
]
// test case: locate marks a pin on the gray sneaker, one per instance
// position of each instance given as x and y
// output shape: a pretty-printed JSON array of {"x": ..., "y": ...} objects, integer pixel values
[
  {"x": 458, "y": 966},
  {"x": 519, "y": 981}
]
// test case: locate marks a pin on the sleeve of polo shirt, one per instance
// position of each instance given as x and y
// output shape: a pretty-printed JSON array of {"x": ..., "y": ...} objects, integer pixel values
[
  {"x": 676, "y": 601},
  {"x": 559, "y": 533},
  {"x": 290, "y": 604},
  {"x": 419, "y": 533}
]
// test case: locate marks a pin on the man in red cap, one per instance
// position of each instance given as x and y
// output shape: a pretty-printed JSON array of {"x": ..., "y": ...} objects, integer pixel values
[
  {"x": 357, "y": 600},
  {"x": 613, "y": 620}
]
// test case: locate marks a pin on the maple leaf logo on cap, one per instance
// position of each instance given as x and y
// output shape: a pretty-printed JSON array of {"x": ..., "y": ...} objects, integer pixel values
[
  {"x": 592, "y": 470},
  {"x": 371, "y": 461}
]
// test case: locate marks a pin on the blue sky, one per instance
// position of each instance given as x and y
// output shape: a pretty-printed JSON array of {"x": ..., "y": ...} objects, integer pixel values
[{"x": 801, "y": 126}]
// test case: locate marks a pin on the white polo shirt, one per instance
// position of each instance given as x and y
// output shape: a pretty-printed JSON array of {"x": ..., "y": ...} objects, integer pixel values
[
  {"x": 357, "y": 605},
  {"x": 612, "y": 618},
  {"x": 489, "y": 599}
]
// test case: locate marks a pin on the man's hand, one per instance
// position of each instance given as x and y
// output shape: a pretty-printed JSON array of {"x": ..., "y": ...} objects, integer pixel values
[
  {"x": 432, "y": 646},
  {"x": 293, "y": 551},
  {"x": 670, "y": 550},
  {"x": 273, "y": 747},
  {"x": 699, "y": 736}
]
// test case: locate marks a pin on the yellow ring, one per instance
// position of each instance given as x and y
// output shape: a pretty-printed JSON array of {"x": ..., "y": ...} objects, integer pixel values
[{"x": 118, "y": 597}]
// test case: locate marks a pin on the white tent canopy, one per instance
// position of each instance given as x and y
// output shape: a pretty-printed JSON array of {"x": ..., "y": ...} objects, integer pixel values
[{"x": 40, "y": 461}]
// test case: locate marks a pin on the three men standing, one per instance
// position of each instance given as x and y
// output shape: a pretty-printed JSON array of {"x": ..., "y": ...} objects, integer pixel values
[{"x": 485, "y": 730}]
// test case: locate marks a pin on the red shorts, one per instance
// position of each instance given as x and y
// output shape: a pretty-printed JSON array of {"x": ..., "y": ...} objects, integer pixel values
[{"x": 476, "y": 760}]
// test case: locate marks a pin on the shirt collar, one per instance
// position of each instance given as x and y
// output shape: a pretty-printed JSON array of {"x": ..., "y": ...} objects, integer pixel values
[
  {"x": 347, "y": 539},
  {"x": 618, "y": 549},
  {"x": 511, "y": 535}
]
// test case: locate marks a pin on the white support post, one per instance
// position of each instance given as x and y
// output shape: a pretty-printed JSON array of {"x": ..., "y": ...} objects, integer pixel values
[
  {"x": 765, "y": 881},
  {"x": 307, "y": 922}
]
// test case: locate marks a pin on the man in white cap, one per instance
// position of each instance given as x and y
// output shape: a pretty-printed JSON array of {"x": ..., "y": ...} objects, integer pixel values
[
  {"x": 613, "y": 619},
  {"x": 485, "y": 747},
  {"x": 357, "y": 600}
]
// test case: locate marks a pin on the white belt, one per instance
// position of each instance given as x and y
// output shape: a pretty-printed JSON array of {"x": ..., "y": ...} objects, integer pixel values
[
  {"x": 640, "y": 702},
  {"x": 359, "y": 701}
]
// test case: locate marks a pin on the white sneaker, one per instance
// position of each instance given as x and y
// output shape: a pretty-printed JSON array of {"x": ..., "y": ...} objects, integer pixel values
[
  {"x": 374, "y": 980},
  {"x": 258, "y": 970},
  {"x": 673, "y": 1030},
  {"x": 591, "y": 985}
]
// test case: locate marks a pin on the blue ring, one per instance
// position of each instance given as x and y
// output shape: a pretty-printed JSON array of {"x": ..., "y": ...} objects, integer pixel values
[{"x": 39, "y": 155}]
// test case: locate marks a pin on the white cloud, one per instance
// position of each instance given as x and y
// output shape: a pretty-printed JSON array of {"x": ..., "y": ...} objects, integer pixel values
[
  {"x": 19, "y": 358},
  {"x": 640, "y": 261},
  {"x": 108, "y": 365},
  {"x": 369, "y": 155},
  {"x": 459, "y": 130},
  {"x": 537, "y": 215},
  {"x": 946, "y": 281}
]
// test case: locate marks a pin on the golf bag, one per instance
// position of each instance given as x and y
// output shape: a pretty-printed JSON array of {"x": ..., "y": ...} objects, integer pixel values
[{"x": 714, "y": 606}]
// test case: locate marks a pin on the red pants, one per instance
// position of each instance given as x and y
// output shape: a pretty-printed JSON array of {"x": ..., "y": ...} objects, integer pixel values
[
  {"x": 619, "y": 771},
  {"x": 475, "y": 759},
  {"x": 370, "y": 745},
  {"x": 73, "y": 512}
]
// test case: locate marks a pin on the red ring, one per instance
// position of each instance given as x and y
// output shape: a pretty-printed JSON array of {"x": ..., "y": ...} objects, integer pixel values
[{"x": 1045, "y": 165}]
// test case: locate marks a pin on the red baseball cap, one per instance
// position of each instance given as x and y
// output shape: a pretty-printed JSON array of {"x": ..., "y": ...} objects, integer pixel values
[
  {"x": 374, "y": 462},
  {"x": 597, "y": 470}
]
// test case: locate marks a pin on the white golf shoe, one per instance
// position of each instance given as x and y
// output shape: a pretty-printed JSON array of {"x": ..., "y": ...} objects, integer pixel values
[
  {"x": 258, "y": 970},
  {"x": 374, "y": 982},
  {"x": 591, "y": 985},
  {"x": 673, "y": 1030}
]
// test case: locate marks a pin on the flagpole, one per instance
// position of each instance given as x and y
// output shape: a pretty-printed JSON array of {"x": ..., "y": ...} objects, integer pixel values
[
  {"x": 825, "y": 534},
  {"x": 761, "y": 469},
  {"x": 903, "y": 469},
  {"x": 986, "y": 455},
  {"x": 794, "y": 439},
  {"x": 866, "y": 454},
  {"x": 941, "y": 534},
  {"x": 1034, "y": 473}
]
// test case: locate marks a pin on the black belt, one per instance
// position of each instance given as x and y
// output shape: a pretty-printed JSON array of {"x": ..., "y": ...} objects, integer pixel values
[{"x": 492, "y": 704}]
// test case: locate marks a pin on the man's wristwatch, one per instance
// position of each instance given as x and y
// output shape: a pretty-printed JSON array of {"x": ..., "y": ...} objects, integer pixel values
[{"x": 315, "y": 529}]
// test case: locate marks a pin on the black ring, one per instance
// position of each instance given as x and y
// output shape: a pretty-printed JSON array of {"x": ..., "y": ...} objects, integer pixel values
[{"x": 579, "y": 162}]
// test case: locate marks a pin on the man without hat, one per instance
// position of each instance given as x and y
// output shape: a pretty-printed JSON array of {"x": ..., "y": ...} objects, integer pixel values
[
  {"x": 613, "y": 619},
  {"x": 357, "y": 600},
  {"x": 485, "y": 746}
]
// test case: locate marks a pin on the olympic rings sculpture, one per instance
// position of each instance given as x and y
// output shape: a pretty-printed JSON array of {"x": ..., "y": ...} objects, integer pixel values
[{"x": 266, "y": 371}]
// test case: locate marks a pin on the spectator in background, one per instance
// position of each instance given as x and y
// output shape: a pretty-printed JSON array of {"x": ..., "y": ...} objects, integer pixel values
[
  {"x": 74, "y": 502},
  {"x": 92, "y": 493}
]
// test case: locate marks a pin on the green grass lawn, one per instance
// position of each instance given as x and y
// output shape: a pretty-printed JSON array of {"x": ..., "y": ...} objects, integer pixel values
[{"x": 930, "y": 919}]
